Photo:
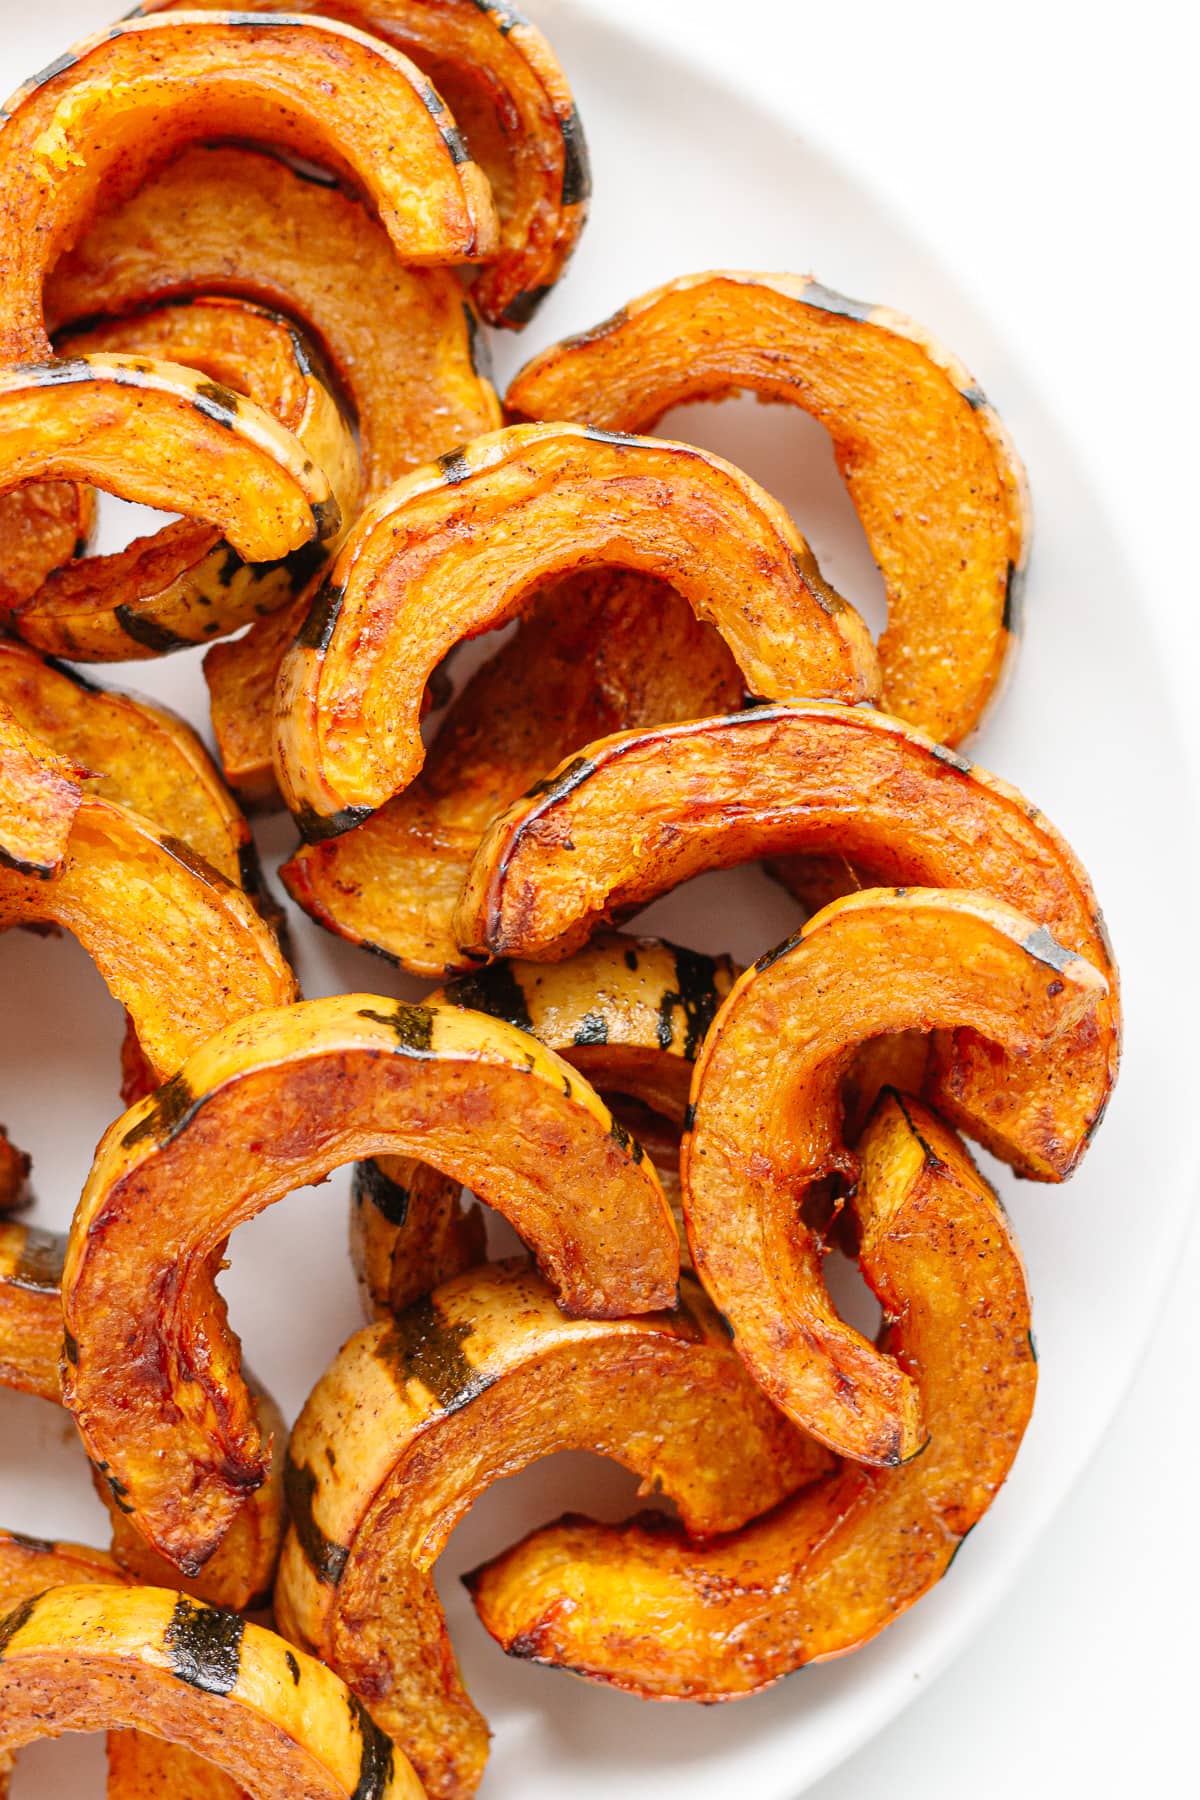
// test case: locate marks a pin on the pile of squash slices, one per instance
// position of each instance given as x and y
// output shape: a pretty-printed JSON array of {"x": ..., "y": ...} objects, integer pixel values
[{"x": 268, "y": 247}]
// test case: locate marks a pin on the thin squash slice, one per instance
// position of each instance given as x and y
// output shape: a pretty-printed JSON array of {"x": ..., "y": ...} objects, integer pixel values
[
  {"x": 183, "y": 584},
  {"x": 421, "y": 1413},
  {"x": 152, "y": 1370},
  {"x": 95, "y": 1657},
  {"x": 513, "y": 105},
  {"x": 935, "y": 480},
  {"x": 639, "y": 1607},
  {"x": 766, "y": 1120},
  {"x": 458, "y": 549}
]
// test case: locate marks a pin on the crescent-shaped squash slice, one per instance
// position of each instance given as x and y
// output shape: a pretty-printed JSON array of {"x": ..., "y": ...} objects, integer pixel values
[
  {"x": 421, "y": 1413},
  {"x": 182, "y": 948},
  {"x": 641, "y": 1608},
  {"x": 456, "y": 549},
  {"x": 183, "y": 584},
  {"x": 273, "y": 1104},
  {"x": 934, "y": 478},
  {"x": 40, "y": 793},
  {"x": 31, "y": 1324},
  {"x": 629, "y": 1013},
  {"x": 134, "y": 752},
  {"x": 645, "y": 811},
  {"x": 116, "y": 107},
  {"x": 166, "y": 436},
  {"x": 42, "y": 526},
  {"x": 91, "y": 1658},
  {"x": 596, "y": 653},
  {"x": 766, "y": 1120},
  {"x": 513, "y": 105},
  {"x": 242, "y": 1571}
]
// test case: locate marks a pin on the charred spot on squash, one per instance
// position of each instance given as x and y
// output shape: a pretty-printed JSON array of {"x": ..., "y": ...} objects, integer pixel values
[
  {"x": 454, "y": 465},
  {"x": 1042, "y": 944},
  {"x": 378, "y": 1755},
  {"x": 35, "y": 1545},
  {"x": 168, "y": 1109},
  {"x": 40, "y": 1265},
  {"x": 422, "y": 1345},
  {"x": 19, "y": 866},
  {"x": 494, "y": 990},
  {"x": 388, "y": 1198},
  {"x": 518, "y": 312},
  {"x": 116, "y": 1487},
  {"x": 204, "y": 1646},
  {"x": 326, "y": 1559},
  {"x": 696, "y": 993},
  {"x": 413, "y": 1026},
  {"x": 322, "y": 617},
  {"x": 10, "y": 1625},
  {"x": 148, "y": 631},
  {"x": 216, "y": 402},
  {"x": 592, "y": 1029},
  {"x": 577, "y": 166}
]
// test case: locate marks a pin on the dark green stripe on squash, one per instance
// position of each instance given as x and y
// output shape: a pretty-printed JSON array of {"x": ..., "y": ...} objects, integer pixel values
[
  {"x": 40, "y": 1265},
  {"x": 322, "y": 617},
  {"x": 1047, "y": 949},
  {"x": 830, "y": 301},
  {"x": 204, "y": 1646},
  {"x": 494, "y": 990},
  {"x": 145, "y": 630},
  {"x": 696, "y": 993},
  {"x": 216, "y": 402},
  {"x": 421, "y": 1345},
  {"x": 577, "y": 168},
  {"x": 316, "y": 828},
  {"x": 378, "y": 1764},
  {"x": 12, "y": 1623},
  {"x": 413, "y": 1026},
  {"x": 390, "y": 1200},
  {"x": 454, "y": 466},
  {"x": 521, "y": 309},
  {"x": 326, "y": 1559},
  {"x": 168, "y": 1110}
]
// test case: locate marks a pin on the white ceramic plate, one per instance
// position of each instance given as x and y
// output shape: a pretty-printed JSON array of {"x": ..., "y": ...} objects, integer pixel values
[{"x": 690, "y": 175}]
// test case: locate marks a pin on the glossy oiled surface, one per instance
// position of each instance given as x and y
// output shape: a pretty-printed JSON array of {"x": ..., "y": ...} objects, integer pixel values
[{"x": 682, "y": 187}]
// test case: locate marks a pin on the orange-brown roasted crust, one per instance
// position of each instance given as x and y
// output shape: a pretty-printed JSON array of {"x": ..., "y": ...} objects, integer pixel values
[
  {"x": 192, "y": 956},
  {"x": 459, "y": 548},
  {"x": 134, "y": 753},
  {"x": 641, "y": 1608},
  {"x": 513, "y": 105},
  {"x": 94, "y": 1657},
  {"x": 184, "y": 584},
  {"x": 40, "y": 793},
  {"x": 766, "y": 1120},
  {"x": 271, "y": 1105},
  {"x": 42, "y": 526},
  {"x": 597, "y": 653},
  {"x": 421, "y": 1413},
  {"x": 119, "y": 104},
  {"x": 15, "y": 1165},
  {"x": 629, "y": 1013},
  {"x": 935, "y": 480}
]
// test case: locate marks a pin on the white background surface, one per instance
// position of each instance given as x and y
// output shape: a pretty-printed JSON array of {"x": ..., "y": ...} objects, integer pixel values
[
  {"x": 1042, "y": 149},
  {"x": 1058, "y": 138}
]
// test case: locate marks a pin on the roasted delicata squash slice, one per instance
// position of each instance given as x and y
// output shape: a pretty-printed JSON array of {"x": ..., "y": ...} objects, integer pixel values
[
  {"x": 421, "y": 1413},
  {"x": 596, "y": 653},
  {"x": 184, "y": 584},
  {"x": 166, "y": 436},
  {"x": 641, "y": 1608},
  {"x": 629, "y": 1013},
  {"x": 456, "y": 549},
  {"x": 176, "y": 942},
  {"x": 31, "y": 1324},
  {"x": 274, "y": 1104},
  {"x": 939, "y": 489},
  {"x": 766, "y": 1120},
  {"x": 135, "y": 753},
  {"x": 647, "y": 810},
  {"x": 96, "y": 1657},
  {"x": 513, "y": 105},
  {"x": 42, "y": 526},
  {"x": 242, "y": 1571},
  {"x": 115, "y": 108},
  {"x": 40, "y": 793}
]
